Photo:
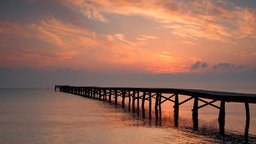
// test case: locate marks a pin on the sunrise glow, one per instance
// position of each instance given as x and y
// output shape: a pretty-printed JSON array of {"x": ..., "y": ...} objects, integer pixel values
[{"x": 146, "y": 36}]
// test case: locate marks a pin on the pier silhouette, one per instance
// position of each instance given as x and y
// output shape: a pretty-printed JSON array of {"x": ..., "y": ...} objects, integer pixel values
[{"x": 157, "y": 96}]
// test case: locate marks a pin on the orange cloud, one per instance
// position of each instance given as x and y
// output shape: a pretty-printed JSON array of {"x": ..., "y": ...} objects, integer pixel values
[
  {"x": 74, "y": 44},
  {"x": 182, "y": 29},
  {"x": 214, "y": 20},
  {"x": 146, "y": 37},
  {"x": 246, "y": 20}
]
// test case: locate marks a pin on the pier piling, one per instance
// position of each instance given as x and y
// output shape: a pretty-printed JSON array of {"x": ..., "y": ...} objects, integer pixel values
[
  {"x": 195, "y": 113},
  {"x": 222, "y": 118}
]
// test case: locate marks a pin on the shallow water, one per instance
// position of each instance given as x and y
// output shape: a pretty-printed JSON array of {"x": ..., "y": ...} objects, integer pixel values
[{"x": 45, "y": 116}]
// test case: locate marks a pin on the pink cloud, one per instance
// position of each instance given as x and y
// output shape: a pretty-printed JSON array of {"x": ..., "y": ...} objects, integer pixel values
[
  {"x": 73, "y": 44},
  {"x": 214, "y": 20}
]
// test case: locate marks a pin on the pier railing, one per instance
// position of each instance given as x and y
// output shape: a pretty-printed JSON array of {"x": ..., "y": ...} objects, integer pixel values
[{"x": 136, "y": 96}]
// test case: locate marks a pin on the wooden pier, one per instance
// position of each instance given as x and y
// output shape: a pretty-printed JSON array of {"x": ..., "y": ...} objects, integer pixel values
[{"x": 157, "y": 96}]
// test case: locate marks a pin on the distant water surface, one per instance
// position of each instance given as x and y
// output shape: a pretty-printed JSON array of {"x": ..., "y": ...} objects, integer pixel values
[{"x": 44, "y": 116}]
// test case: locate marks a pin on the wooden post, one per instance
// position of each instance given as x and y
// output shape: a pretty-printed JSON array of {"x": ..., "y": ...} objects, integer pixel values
[
  {"x": 160, "y": 108},
  {"x": 150, "y": 105},
  {"x": 222, "y": 118},
  {"x": 138, "y": 102},
  {"x": 176, "y": 110},
  {"x": 195, "y": 113},
  {"x": 93, "y": 93},
  {"x": 82, "y": 91},
  {"x": 247, "y": 125},
  {"x": 133, "y": 102},
  {"x": 156, "y": 107},
  {"x": 99, "y": 94},
  {"x": 129, "y": 97},
  {"x": 143, "y": 104},
  {"x": 104, "y": 95},
  {"x": 115, "y": 97},
  {"x": 109, "y": 96},
  {"x": 123, "y": 98}
]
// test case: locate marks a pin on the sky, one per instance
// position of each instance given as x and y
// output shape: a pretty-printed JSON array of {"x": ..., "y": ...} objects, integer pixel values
[{"x": 207, "y": 44}]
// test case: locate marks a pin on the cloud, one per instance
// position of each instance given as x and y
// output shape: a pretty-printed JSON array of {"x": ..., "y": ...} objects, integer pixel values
[
  {"x": 245, "y": 21},
  {"x": 121, "y": 37},
  {"x": 66, "y": 42},
  {"x": 199, "y": 65},
  {"x": 213, "y": 20},
  {"x": 146, "y": 37},
  {"x": 80, "y": 33},
  {"x": 227, "y": 67},
  {"x": 93, "y": 14}
]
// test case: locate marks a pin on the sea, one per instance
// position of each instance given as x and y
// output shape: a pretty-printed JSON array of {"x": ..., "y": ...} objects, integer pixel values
[{"x": 43, "y": 116}]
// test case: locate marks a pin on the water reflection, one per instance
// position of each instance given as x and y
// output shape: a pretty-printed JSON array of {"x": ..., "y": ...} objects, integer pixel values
[{"x": 209, "y": 130}]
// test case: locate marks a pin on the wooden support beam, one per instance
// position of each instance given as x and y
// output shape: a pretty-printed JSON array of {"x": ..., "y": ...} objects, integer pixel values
[
  {"x": 176, "y": 110},
  {"x": 143, "y": 104},
  {"x": 115, "y": 97},
  {"x": 150, "y": 105},
  {"x": 123, "y": 98},
  {"x": 109, "y": 96},
  {"x": 156, "y": 106},
  {"x": 185, "y": 100},
  {"x": 247, "y": 125},
  {"x": 133, "y": 102},
  {"x": 129, "y": 97},
  {"x": 138, "y": 102},
  {"x": 104, "y": 95},
  {"x": 195, "y": 113},
  {"x": 208, "y": 103},
  {"x": 160, "y": 109},
  {"x": 169, "y": 98},
  {"x": 221, "y": 118},
  {"x": 100, "y": 95},
  {"x": 94, "y": 93}
]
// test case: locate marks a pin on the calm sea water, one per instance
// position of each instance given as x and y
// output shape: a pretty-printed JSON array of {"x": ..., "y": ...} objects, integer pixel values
[{"x": 44, "y": 116}]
